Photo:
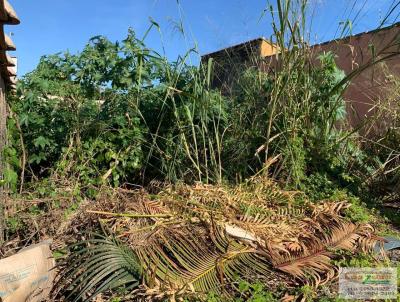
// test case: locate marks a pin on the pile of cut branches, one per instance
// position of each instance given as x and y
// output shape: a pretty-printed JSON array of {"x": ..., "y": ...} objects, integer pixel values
[{"x": 193, "y": 240}]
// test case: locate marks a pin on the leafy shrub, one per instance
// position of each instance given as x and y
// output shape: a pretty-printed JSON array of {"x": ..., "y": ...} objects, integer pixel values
[{"x": 119, "y": 113}]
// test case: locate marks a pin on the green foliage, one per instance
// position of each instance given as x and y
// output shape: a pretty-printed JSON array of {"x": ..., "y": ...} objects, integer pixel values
[
  {"x": 97, "y": 266},
  {"x": 119, "y": 113},
  {"x": 11, "y": 156},
  {"x": 360, "y": 260},
  {"x": 308, "y": 293},
  {"x": 358, "y": 212},
  {"x": 14, "y": 224},
  {"x": 383, "y": 153},
  {"x": 255, "y": 292},
  {"x": 10, "y": 178},
  {"x": 318, "y": 186},
  {"x": 247, "y": 292},
  {"x": 335, "y": 299},
  {"x": 79, "y": 123},
  {"x": 292, "y": 117}
]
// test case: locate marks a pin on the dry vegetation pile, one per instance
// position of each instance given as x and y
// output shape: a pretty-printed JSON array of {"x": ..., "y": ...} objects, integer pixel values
[{"x": 193, "y": 240}]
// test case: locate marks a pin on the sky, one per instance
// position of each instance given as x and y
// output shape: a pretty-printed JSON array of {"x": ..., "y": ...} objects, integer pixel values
[{"x": 52, "y": 26}]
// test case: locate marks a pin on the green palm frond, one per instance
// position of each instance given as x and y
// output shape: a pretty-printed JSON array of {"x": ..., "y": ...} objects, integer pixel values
[{"x": 96, "y": 266}]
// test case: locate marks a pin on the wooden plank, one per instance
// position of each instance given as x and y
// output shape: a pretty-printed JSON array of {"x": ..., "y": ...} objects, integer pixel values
[
  {"x": 5, "y": 41},
  {"x": 8, "y": 14}
]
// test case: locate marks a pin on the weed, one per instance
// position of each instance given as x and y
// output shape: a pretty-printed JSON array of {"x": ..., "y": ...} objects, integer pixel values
[{"x": 256, "y": 292}]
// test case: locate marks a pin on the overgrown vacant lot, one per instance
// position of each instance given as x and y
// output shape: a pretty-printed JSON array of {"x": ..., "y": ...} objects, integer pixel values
[
  {"x": 156, "y": 185},
  {"x": 207, "y": 242}
]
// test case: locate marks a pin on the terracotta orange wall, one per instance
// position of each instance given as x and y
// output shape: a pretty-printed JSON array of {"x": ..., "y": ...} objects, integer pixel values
[
  {"x": 365, "y": 90},
  {"x": 267, "y": 49},
  {"x": 374, "y": 83}
]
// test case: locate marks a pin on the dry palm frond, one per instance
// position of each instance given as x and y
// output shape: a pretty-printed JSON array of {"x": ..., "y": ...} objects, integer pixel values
[
  {"x": 311, "y": 260},
  {"x": 186, "y": 265},
  {"x": 266, "y": 227},
  {"x": 196, "y": 239}
]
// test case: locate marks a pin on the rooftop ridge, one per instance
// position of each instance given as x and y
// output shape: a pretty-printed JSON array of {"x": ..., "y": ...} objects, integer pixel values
[
  {"x": 238, "y": 45},
  {"x": 314, "y": 45}
]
